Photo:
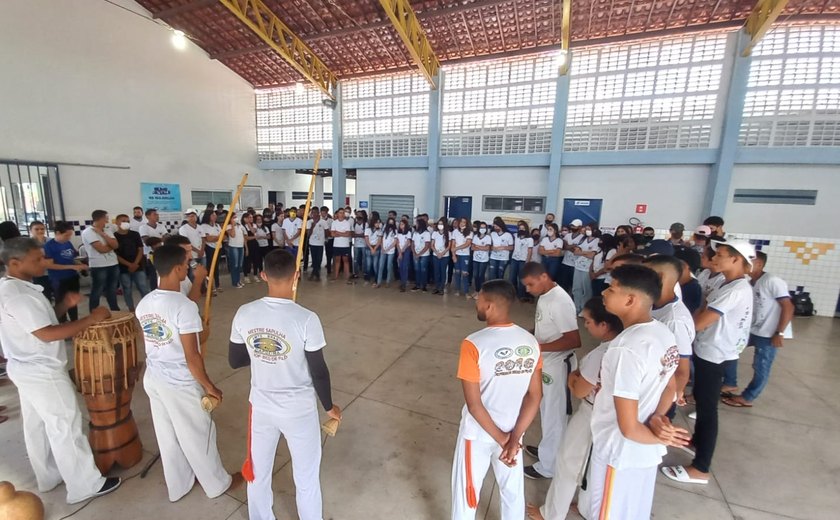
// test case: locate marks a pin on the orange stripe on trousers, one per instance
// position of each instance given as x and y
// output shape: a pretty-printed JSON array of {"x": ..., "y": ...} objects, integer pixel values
[
  {"x": 609, "y": 479},
  {"x": 248, "y": 465},
  {"x": 472, "y": 499}
]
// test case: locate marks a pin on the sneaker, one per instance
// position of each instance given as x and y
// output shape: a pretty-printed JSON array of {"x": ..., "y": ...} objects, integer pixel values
[
  {"x": 533, "y": 474},
  {"x": 258, "y": 279},
  {"x": 533, "y": 451},
  {"x": 111, "y": 484},
  {"x": 218, "y": 289},
  {"x": 415, "y": 289},
  {"x": 240, "y": 285},
  {"x": 436, "y": 291}
]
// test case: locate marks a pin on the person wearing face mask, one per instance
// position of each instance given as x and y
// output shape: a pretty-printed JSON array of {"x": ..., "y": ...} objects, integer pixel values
[
  {"x": 388, "y": 253},
  {"x": 502, "y": 245},
  {"x": 460, "y": 244},
  {"x": 551, "y": 251},
  {"x": 570, "y": 242},
  {"x": 131, "y": 261},
  {"x": 291, "y": 229},
  {"x": 422, "y": 241},
  {"x": 359, "y": 245},
  {"x": 373, "y": 242},
  {"x": 481, "y": 256},
  {"x": 440, "y": 246},
  {"x": 549, "y": 220},
  {"x": 523, "y": 247},
  {"x": 535, "y": 253},
  {"x": 649, "y": 233},
  {"x": 404, "y": 235},
  {"x": 584, "y": 253}
]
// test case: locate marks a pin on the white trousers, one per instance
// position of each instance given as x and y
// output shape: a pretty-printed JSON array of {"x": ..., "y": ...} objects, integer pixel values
[
  {"x": 468, "y": 473},
  {"x": 52, "y": 431},
  {"x": 303, "y": 435},
  {"x": 570, "y": 465},
  {"x": 186, "y": 438},
  {"x": 620, "y": 494},
  {"x": 554, "y": 408}
]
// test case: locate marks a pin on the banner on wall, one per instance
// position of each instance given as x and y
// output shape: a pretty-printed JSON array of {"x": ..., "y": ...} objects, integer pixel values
[{"x": 162, "y": 197}]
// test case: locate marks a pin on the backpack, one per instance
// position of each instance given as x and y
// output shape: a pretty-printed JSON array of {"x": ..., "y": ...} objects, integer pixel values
[{"x": 802, "y": 304}]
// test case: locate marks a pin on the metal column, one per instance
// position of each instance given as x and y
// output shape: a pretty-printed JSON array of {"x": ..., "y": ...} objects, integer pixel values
[
  {"x": 433, "y": 198},
  {"x": 339, "y": 178},
  {"x": 561, "y": 105}
]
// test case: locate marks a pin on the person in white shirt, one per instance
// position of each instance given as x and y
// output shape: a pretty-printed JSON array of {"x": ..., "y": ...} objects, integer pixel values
[
  {"x": 570, "y": 468},
  {"x": 319, "y": 230},
  {"x": 481, "y": 244},
  {"x": 188, "y": 289},
  {"x": 404, "y": 259},
  {"x": 772, "y": 314},
  {"x": 461, "y": 238},
  {"x": 262, "y": 236},
  {"x": 549, "y": 222},
  {"x": 440, "y": 256},
  {"x": 373, "y": 247},
  {"x": 292, "y": 228},
  {"x": 723, "y": 331},
  {"x": 523, "y": 248},
  {"x": 151, "y": 229},
  {"x": 708, "y": 278},
  {"x": 100, "y": 246},
  {"x": 567, "y": 266},
  {"x": 237, "y": 235},
  {"x": 385, "y": 272},
  {"x": 342, "y": 231},
  {"x": 556, "y": 329},
  {"x": 499, "y": 369},
  {"x": 210, "y": 233},
  {"x": 629, "y": 426},
  {"x": 176, "y": 381},
  {"x": 360, "y": 223},
  {"x": 277, "y": 234},
  {"x": 421, "y": 240},
  {"x": 551, "y": 251},
  {"x": 583, "y": 255},
  {"x": 283, "y": 344},
  {"x": 501, "y": 246},
  {"x": 33, "y": 341},
  {"x": 191, "y": 231},
  {"x": 138, "y": 219},
  {"x": 607, "y": 250}
]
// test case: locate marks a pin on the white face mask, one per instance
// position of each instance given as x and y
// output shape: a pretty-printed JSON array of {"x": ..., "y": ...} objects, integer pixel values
[
  {"x": 550, "y": 232},
  {"x": 125, "y": 226},
  {"x": 589, "y": 232},
  {"x": 483, "y": 230},
  {"x": 440, "y": 227}
]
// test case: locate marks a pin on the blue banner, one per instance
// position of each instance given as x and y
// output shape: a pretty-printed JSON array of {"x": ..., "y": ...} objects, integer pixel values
[{"x": 162, "y": 197}]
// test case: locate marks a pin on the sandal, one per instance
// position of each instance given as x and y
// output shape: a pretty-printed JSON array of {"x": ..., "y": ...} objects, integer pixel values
[
  {"x": 679, "y": 474},
  {"x": 736, "y": 401}
]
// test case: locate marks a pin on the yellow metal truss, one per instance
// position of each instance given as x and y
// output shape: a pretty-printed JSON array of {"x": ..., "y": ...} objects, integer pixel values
[
  {"x": 287, "y": 44},
  {"x": 412, "y": 34},
  {"x": 565, "y": 35},
  {"x": 761, "y": 19}
]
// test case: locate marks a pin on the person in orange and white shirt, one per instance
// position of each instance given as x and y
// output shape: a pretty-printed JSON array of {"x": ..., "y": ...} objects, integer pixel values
[{"x": 501, "y": 371}]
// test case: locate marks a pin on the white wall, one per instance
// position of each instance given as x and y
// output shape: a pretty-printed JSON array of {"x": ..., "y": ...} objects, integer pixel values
[
  {"x": 672, "y": 193},
  {"x": 88, "y": 82},
  {"x": 477, "y": 182},
  {"x": 820, "y": 220}
]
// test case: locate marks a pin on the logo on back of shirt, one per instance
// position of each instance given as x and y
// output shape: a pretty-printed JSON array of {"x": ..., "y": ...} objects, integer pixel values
[
  {"x": 155, "y": 329},
  {"x": 670, "y": 360},
  {"x": 518, "y": 360},
  {"x": 268, "y": 345}
]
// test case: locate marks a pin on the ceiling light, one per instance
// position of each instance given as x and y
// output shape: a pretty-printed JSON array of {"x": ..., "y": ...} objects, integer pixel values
[
  {"x": 179, "y": 40},
  {"x": 299, "y": 90}
]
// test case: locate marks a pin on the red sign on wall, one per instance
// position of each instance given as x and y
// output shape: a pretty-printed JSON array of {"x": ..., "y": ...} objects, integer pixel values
[{"x": 641, "y": 209}]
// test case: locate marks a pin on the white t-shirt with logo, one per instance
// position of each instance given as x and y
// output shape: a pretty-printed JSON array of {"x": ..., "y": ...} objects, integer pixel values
[
  {"x": 208, "y": 230},
  {"x": 709, "y": 282},
  {"x": 555, "y": 316},
  {"x": 262, "y": 234},
  {"x": 481, "y": 256},
  {"x": 292, "y": 226},
  {"x": 439, "y": 242},
  {"x": 572, "y": 240},
  {"x": 551, "y": 245},
  {"x": 278, "y": 234},
  {"x": 146, "y": 230},
  {"x": 135, "y": 224},
  {"x": 97, "y": 259},
  {"x": 587, "y": 245},
  {"x": 460, "y": 239},
  {"x": 359, "y": 229},
  {"x": 504, "y": 239},
  {"x": 727, "y": 337},
  {"x": 637, "y": 365},
  {"x": 239, "y": 239},
  {"x": 341, "y": 226},
  {"x": 164, "y": 316},
  {"x": 767, "y": 292},
  {"x": 194, "y": 234},
  {"x": 600, "y": 260},
  {"x": 419, "y": 241},
  {"x": 502, "y": 361},
  {"x": 403, "y": 239},
  {"x": 676, "y": 316},
  {"x": 278, "y": 333},
  {"x": 23, "y": 310},
  {"x": 319, "y": 231},
  {"x": 521, "y": 247},
  {"x": 373, "y": 235},
  {"x": 590, "y": 368},
  {"x": 389, "y": 242}
]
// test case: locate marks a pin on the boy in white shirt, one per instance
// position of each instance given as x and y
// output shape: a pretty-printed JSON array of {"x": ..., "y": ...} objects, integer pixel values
[
  {"x": 523, "y": 248},
  {"x": 277, "y": 233},
  {"x": 499, "y": 369},
  {"x": 283, "y": 343},
  {"x": 192, "y": 231},
  {"x": 556, "y": 329},
  {"x": 101, "y": 246},
  {"x": 629, "y": 428},
  {"x": 291, "y": 230},
  {"x": 341, "y": 230},
  {"x": 176, "y": 381}
]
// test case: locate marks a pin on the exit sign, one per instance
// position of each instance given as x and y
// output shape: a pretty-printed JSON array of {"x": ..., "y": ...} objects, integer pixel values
[{"x": 641, "y": 209}]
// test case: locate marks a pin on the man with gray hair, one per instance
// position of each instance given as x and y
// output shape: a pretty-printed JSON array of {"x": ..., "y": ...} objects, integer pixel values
[{"x": 34, "y": 343}]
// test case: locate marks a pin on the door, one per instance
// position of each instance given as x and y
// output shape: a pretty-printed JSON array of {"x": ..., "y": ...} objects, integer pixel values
[
  {"x": 402, "y": 204},
  {"x": 458, "y": 207},
  {"x": 587, "y": 210}
]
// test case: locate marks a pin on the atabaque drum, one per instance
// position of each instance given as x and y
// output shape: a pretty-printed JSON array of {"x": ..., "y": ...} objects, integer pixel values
[{"x": 106, "y": 371}]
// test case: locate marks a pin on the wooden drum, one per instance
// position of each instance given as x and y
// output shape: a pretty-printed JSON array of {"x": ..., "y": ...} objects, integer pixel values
[{"x": 106, "y": 370}]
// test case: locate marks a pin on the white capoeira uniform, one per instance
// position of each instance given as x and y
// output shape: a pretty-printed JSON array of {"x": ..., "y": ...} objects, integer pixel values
[
  {"x": 502, "y": 361},
  {"x": 277, "y": 333},
  {"x": 574, "y": 450},
  {"x": 186, "y": 434},
  {"x": 555, "y": 316},
  {"x": 52, "y": 422},
  {"x": 638, "y": 365}
]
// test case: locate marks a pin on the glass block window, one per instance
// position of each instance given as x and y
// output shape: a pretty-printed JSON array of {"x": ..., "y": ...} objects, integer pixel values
[
  {"x": 793, "y": 93},
  {"x": 386, "y": 116},
  {"x": 499, "y": 106},
  {"x": 653, "y": 94},
  {"x": 293, "y": 123}
]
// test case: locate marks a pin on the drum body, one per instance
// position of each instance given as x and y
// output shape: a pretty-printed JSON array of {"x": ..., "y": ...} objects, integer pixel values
[{"x": 106, "y": 370}]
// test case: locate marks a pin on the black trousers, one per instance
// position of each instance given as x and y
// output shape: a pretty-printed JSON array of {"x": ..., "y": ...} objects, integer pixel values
[
  {"x": 328, "y": 249},
  {"x": 60, "y": 289},
  {"x": 317, "y": 259},
  {"x": 567, "y": 277},
  {"x": 708, "y": 380}
]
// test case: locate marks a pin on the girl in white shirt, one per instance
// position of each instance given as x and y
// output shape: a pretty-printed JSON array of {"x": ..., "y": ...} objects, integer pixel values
[
  {"x": 373, "y": 239},
  {"x": 421, "y": 240},
  {"x": 386, "y": 256},
  {"x": 502, "y": 245},
  {"x": 403, "y": 252},
  {"x": 481, "y": 257},
  {"x": 600, "y": 264},
  {"x": 210, "y": 231},
  {"x": 460, "y": 243},
  {"x": 583, "y": 255},
  {"x": 262, "y": 233},
  {"x": 236, "y": 251},
  {"x": 523, "y": 247},
  {"x": 551, "y": 251},
  {"x": 251, "y": 249},
  {"x": 440, "y": 260}
]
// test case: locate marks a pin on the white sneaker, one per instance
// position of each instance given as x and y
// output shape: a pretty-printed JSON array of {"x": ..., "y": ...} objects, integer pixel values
[{"x": 240, "y": 285}]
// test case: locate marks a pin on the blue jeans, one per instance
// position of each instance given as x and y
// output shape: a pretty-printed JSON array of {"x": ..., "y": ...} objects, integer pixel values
[
  {"x": 439, "y": 266},
  {"x": 386, "y": 264},
  {"x": 404, "y": 262},
  {"x": 371, "y": 264},
  {"x": 359, "y": 261},
  {"x": 730, "y": 373},
  {"x": 135, "y": 279},
  {"x": 104, "y": 280},
  {"x": 479, "y": 269},
  {"x": 496, "y": 269},
  {"x": 235, "y": 256},
  {"x": 421, "y": 271},
  {"x": 765, "y": 353},
  {"x": 461, "y": 274},
  {"x": 552, "y": 267},
  {"x": 515, "y": 271}
]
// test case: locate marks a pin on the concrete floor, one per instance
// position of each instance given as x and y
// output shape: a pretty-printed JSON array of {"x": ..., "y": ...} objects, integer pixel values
[{"x": 393, "y": 358}]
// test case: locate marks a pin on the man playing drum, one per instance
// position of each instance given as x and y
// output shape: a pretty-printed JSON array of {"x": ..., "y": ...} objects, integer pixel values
[{"x": 34, "y": 343}]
